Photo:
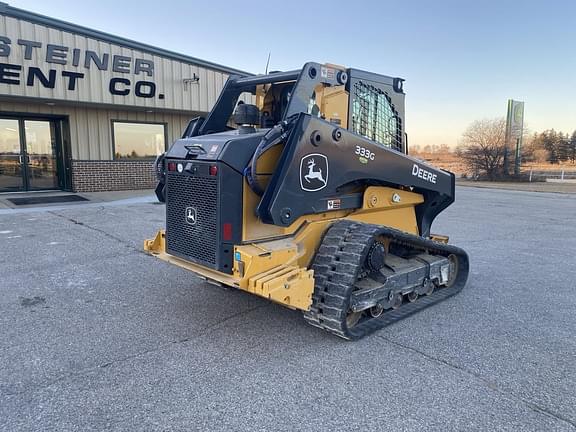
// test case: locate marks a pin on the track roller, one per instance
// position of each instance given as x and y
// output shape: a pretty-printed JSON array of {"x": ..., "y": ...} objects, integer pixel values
[{"x": 349, "y": 254}]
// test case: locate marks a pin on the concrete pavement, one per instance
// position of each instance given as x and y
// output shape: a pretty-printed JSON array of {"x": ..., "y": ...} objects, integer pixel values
[{"x": 96, "y": 335}]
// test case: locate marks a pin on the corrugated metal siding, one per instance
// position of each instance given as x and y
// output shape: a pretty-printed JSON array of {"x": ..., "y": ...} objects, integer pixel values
[
  {"x": 94, "y": 87},
  {"x": 91, "y": 128}
]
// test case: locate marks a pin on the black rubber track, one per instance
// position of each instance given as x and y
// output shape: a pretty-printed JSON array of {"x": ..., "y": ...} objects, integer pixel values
[{"x": 337, "y": 266}]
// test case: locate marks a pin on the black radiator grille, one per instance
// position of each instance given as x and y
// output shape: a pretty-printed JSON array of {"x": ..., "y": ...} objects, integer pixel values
[{"x": 198, "y": 240}]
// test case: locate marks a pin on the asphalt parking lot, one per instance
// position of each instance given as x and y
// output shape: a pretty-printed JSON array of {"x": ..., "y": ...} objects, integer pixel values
[{"x": 96, "y": 335}]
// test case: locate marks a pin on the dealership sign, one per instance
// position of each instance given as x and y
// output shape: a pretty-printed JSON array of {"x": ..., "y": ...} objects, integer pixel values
[
  {"x": 514, "y": 132},
  {"x": 83, "y": 61}
]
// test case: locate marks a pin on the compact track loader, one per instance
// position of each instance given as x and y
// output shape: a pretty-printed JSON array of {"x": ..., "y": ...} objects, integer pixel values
[{"x": 297, "y": 187}]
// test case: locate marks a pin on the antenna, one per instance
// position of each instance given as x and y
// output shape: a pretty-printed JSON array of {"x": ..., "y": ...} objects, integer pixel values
[{"x": 267, "y": 63}]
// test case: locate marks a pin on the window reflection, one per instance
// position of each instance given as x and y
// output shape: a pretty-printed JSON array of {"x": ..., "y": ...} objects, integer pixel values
[
  {"x": 138, "y": 140},
  {"x": 41, "y": 154},
  {"x": 10, "y": 156}
]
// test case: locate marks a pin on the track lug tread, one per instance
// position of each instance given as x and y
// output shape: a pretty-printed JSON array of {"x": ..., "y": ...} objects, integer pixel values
[{"x": 337, "y": 266}]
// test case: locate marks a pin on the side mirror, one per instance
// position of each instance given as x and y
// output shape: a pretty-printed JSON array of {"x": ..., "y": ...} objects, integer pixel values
[{"x": 193, "y": 127}]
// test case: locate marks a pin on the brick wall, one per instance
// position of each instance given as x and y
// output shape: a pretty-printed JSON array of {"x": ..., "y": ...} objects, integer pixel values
[{"x": 106, "y": 175}]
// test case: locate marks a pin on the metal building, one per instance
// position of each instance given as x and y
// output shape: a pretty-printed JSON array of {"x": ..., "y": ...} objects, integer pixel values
[{"x": 83, "y": 110}]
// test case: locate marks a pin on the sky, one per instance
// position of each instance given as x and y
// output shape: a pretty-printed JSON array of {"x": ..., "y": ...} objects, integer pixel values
[{"x": 462, "y": 60}]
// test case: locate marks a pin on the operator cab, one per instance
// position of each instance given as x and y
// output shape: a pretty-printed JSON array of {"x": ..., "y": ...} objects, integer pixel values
[
  {"x": 367, "y": 104},
  {"x": 265, "y": 106}
]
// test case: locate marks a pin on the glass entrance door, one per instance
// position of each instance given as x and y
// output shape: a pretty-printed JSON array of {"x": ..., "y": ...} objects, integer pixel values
[
  {"x": 28, "y": 155},
  {"x": 11, "y": 157},
  {"x": 40, "y": 154}
]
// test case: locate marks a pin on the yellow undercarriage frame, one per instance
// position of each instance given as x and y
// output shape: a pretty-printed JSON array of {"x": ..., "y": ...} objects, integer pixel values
[{"x": 279, "y": 269}]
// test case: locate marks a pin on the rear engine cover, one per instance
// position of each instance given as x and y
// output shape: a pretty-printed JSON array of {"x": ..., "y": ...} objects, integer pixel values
[{"x": 203, "y": 212}]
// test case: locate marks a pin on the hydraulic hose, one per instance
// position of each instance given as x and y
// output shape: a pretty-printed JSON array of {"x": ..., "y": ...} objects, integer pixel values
[{"x": 274, "y": 136}]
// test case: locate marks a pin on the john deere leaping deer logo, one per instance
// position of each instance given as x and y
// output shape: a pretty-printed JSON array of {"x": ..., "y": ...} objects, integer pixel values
[
  {"x": 313, "y": 172},
  {"x": 190, "y": 216}
]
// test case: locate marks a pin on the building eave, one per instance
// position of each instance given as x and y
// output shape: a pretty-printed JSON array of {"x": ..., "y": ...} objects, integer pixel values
[{"x": 6, "y": 9}]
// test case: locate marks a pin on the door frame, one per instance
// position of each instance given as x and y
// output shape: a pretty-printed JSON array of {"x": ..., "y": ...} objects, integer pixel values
[{"x": 63, "y": 150}]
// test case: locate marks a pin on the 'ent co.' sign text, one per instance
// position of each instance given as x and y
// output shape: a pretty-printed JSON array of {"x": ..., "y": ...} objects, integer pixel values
[{"x": 13, "y": 74}]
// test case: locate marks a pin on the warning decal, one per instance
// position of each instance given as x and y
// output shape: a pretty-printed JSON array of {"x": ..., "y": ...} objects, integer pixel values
[{"x": 333, "y": 204}]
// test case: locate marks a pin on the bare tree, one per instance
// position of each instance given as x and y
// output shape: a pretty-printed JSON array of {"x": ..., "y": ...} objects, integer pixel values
[{"x": 482, "y": 147}]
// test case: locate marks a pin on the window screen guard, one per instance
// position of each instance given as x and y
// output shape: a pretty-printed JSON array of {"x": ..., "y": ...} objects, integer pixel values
[{"x": 374, "y": 116}]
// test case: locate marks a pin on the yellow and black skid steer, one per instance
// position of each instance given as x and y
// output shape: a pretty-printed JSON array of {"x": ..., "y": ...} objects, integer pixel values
[{"x": 297, "y": 187}]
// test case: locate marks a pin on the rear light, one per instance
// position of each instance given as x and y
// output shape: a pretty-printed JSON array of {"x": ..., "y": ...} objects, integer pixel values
[
  {"x": 213, "y": 170},
  {"x": 227, "y": 231},
  {"x": 171, "y": 166}
]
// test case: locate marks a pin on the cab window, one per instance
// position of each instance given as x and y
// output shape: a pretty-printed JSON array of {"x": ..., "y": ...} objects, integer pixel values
[{"x": 374, "y": 116}]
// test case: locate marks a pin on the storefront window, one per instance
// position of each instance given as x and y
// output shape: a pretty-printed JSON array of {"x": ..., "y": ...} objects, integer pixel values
[{"x": 138, "y": 140}]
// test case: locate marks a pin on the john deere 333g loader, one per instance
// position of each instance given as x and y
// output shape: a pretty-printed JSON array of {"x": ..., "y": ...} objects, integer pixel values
[{"x": 297, "y": 187}]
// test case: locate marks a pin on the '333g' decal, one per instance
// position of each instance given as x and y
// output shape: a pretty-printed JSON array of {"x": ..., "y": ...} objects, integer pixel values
[{"x": 364, "y": 154}]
